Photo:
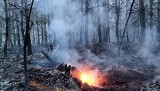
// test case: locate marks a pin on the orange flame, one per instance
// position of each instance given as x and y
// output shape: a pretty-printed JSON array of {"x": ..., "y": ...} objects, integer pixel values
[{"x": 89, "y": 76}]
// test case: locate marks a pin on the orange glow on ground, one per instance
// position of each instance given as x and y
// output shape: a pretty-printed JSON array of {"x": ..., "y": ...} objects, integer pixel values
[
  {"x": 91, "y": 77},
  {"x": 86, "y": 78}
]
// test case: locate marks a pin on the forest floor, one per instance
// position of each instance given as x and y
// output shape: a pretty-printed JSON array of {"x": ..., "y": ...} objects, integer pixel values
[{"x": 129, "y": 72}]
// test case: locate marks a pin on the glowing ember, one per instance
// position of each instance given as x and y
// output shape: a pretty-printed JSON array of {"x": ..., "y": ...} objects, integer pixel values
[
  {"x": 87, "y": 79},
  {"x": 91, "y": 77}
]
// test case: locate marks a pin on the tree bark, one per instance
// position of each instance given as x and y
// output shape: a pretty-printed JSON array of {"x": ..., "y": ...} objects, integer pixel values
[
  {"x": 7, "y": 20},
  {"x": 45, "y": 32},
  {"x": 142, "y": 18},
  {"x": 1, "y": 29},
  {"x": 27, "y": 41},
  {"x": 38, "y": 35},
  {"x": 99, "y": 24},
  {"x": 106, "y": 36},
  {"x": 117, "y": 20},
  {"x": 86, "y": 11},
  {"x": 42, "y": 30},
  {"x": 22, "y": 20},
  {"x": 158, "y": 20}
]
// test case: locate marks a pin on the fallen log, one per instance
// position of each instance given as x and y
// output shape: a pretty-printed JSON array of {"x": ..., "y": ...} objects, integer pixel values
[
  {"x": 47, "y": 56},
  {"x": 52, "y": 61}
]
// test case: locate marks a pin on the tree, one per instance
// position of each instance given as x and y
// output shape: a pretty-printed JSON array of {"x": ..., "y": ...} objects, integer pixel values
[
  {"x": 158, "y": 20},
  {"x": 27, "y": 41},
  {"x": 142, "y": 18},
  {"x": 22, "y": 18},
  {"x": 117, "y": 12},
  {"x": 151, "y": 14},
  {"x": 7, "y": 20},
  {"x": 1, "y": 33},
  {"x": 38, "y": 33},
  {"x": 106, "y": 36},
  {"x": 86, "y": 16},
  {"x": 99, "y": 24}
]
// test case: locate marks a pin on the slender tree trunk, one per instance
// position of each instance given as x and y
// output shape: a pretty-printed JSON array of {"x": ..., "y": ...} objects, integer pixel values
[
  {"x": 127, "y": 35},
  {"x": 14, "y": 34},
  {"x": 1, "y": 29},
  {"x": 106, "y": 37},
  {"x": 18, "y": 32},
  {"x": 7, "y": 20},
  {"x": 125, "y": 27},
  {"x": 29, "y": 45},
  {"x": 142, "y": 18},
  {"x": 98, "y": 24},
  {"x": 82, "y": 20},
  {"x": 86, "y": 21},
  {"x": 117, "y": 21},
  {"x": 27, "y": 41},
  {"x": 42, "y": 30},
  {"x": 45, "y": 32},
  {"x": 158, "y": 20},
  {"x": 151, "y": 14},
  {"x": 151, "y": 18},
  {"x": 33, "y": 35},
  {"x": 22, "y": 20},
  {"x": 38, "y": 35},
  {"x": 27, "y": 33}
]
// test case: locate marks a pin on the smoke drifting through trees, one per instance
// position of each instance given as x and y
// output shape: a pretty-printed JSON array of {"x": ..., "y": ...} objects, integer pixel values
[
  {"x": 92, "y": 21},
  {"x": 70, "y": 22},
  {"x": 83, "y": 32}
]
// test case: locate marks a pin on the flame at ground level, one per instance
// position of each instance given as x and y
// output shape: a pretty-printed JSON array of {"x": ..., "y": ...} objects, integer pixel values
[{"x": 91, "y": 77}]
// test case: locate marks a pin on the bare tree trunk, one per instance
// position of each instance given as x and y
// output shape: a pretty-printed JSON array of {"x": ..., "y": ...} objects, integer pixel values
[
  {"x": 151, "y": 14},
  {"x": 86, "y": 21},
  {"x": 17, "y": 26},
  {"x": 117, "y": 20},
  {"x": 14, "y": 34},
  {"x": 33, "y": 35},
  {"x": 42, "y": 30},
  {"x": 7, "y": 20},
  {"x": 151, "y": 18},
  {"x": 127, "y": 35},
  {"x": 158, "y": 20},
  {"x": 130, "y": 12},
  {"x": 38, "y": 35},
  {"x": 27, "y": 33},
  {"x": 106, "y": 37},
  {"x": 18, "y": 35},
  {"x": 1, "y": 29},
  {"x": 22, "y": 20},
  {"x": 142, "y": 18},
  {"x": 27, "y": 41},
  {"x": 98, "y": 24},
  {"x": 45, "y": 32},
  {"x": 82, "y": 20}
]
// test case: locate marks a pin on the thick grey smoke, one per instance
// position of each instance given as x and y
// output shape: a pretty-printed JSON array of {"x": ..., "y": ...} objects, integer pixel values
[
  {"x": 65, "y": 19},
  {"x": 66, "y": 23}
]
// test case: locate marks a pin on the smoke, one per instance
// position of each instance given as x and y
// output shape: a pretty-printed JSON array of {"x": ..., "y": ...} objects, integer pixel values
[
  {"x": 65, "y": 19},
  {"x": 149, "y": 48},
  {"x": 66, "y": 23}
]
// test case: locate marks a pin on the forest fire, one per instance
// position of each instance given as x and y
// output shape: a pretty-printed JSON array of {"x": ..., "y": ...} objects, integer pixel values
[{"x": 93, "y": 77}]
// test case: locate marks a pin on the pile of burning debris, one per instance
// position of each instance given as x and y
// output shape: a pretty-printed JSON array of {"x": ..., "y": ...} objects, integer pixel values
[
  {"x": 65, "y": 77},
  {"x": 61, "y": 78}
]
